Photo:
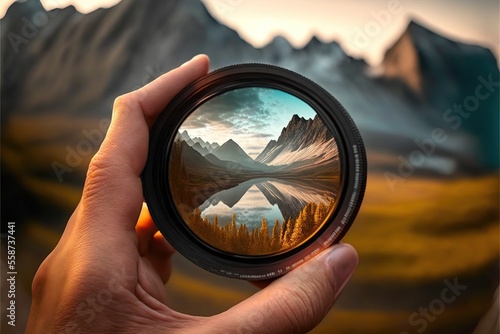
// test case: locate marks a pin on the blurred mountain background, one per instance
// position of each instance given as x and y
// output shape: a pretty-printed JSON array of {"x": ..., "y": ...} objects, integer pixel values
[{"x": 429, "y": 116}]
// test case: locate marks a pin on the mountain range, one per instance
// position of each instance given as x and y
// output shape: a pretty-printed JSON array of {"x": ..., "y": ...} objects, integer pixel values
[
  {"x": 305, "y": 143},
  {"x": 75, "y": 65},
  {"x": 60, "y": 78},
  {"x": 199, "y": 144},
  {"x": 302, "y": 140},
  {"x": 305, "y": 149},
  {"x": 229, "y": 151}
]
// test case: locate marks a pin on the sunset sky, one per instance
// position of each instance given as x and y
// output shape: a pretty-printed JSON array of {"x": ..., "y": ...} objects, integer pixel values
[
  {"x": 249, "y": 116},
  {"x": 364, "y": 28}
]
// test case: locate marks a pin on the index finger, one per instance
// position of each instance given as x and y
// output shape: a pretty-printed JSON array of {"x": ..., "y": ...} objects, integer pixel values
[
  {"x": 113, "y": 188},
  {"x": 154, "y": 96}
]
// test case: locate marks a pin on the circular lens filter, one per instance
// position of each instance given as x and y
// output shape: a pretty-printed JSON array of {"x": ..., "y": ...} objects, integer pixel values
[{"x": 252, "y": 170}]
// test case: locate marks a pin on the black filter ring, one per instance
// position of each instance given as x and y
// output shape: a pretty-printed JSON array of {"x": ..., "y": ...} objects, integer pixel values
[{"x": 155, "y": 176}]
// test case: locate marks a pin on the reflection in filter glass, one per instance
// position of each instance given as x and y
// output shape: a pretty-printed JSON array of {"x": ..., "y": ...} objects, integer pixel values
[{"x": 254, "y": 171}]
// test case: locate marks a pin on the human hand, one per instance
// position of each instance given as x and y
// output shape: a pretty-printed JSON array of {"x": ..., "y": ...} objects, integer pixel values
[{"x": 108, "y": 271}]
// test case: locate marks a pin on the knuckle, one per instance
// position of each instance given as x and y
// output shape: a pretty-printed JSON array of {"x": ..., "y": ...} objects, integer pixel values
[
  {"x": 303, "y": 305},
  {"x": 125, "y": 103},
  {"x": 99, "y": 174},
  {"x": 294, "y": 310},
  {"x": 122, "y": 100},
  {"x": 39, "y": 284}
]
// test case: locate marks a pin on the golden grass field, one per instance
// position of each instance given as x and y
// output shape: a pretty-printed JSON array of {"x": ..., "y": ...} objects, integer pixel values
[{"x": 409, "y": 241}]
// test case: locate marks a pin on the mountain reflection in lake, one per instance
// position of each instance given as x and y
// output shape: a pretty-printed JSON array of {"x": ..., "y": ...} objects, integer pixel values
[{"x": 268, "y": 198}]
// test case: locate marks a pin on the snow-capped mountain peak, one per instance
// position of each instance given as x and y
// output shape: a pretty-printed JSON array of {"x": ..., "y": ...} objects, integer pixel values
[{"x": 301, "y": 140}]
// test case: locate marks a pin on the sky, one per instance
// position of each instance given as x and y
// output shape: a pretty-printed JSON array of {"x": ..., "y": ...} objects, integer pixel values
[
  {"x": 364, "y": 28},
  {"x": 250, "y": 116}
]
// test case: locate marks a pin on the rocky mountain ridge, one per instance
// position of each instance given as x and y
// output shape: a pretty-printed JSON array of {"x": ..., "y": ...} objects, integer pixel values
[
  {"x": 301, "y": 141},
  {"x": 203, "y": 147},
  {"x": 299, "y": 134},
  {"x": 65, "y": 68}
]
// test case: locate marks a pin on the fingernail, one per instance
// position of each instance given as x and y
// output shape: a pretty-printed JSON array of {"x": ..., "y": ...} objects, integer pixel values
[{"x": 344, "y": 260}]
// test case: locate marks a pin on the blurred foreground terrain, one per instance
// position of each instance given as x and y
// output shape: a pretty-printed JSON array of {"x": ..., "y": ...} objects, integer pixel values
[{"x": 431, "y": 212}]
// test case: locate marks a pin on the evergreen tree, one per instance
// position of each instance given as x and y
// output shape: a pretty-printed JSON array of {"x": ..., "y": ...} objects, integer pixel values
[
  {"x": 239, "y": 239},
  {"x": 264, "y": 239},
  {"x": 309, "y": 210},
  {"x": 243, "y": 238},
  {"x": 308, "y": 217},
  {"x": 320, "y": 214},
  {"x": 275, "y": 239},
  {"x": 254, "y": 242},
  {"x": 232, "y": 228},
  {"x": 233, "y": 234},
  {"x": 284, "y": 227},
  {"x": 290, "y": 226},
  {"x": 216, "y": 224},
  {"x": 304, "y": 225},
  {"x": 298, "y": 230}
]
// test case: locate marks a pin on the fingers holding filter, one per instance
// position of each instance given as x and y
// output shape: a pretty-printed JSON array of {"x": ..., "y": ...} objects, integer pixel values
[
  {"x": 298, "y": 301},
  {"x": 112, "y": 194},
  {"x": 152, "y": 245},
  {"x": 145, "y": 230}
]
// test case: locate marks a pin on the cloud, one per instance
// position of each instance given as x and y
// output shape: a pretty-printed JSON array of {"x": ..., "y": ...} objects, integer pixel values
[
  {"x": 241, "y": 110},
  {"x": 255, "y": 147},
  {"x": 264, "y": 135},
  {"x": 253, "y": 153},
  {"x": 193, "y": 124},
  {"x": 250, "y": 116}
]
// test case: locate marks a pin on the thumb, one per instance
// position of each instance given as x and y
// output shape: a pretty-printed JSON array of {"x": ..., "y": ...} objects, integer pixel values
[{"x": 298, "y": 301}]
